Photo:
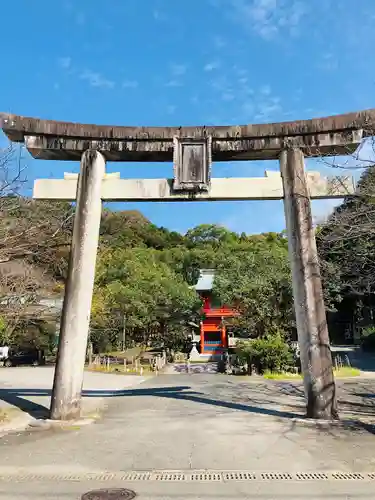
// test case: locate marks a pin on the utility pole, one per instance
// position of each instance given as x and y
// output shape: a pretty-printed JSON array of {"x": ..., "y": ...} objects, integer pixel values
[{"x": 75, "y": 318}]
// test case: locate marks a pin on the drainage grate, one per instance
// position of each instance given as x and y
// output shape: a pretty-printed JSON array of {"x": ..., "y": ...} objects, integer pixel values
[
  {"x": 206, "y": 476},
  {"x": 169, "y": 477},
  {"x": 276, "y": 476},
  {"x": 136, "y": 476},
  {"x": 238, "y": 476},
  {"x": 348, "y": 475},
  {"x": 180, "y": 476},
  {"x": 311, "y": 476}
]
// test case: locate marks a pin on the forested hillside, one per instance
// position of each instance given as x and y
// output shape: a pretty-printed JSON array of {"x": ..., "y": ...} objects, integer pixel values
[{"x": 145, "y": 273}]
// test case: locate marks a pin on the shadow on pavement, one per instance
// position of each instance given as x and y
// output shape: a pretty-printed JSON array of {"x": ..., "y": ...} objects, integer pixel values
[
  {"x": 17, "y": 397},
  {"x": 14, "y": 397}
]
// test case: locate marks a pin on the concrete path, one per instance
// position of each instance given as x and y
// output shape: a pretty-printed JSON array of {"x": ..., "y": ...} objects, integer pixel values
[
  {"x": 25, "y": 392},
  {"x": 190, "y": 423}
]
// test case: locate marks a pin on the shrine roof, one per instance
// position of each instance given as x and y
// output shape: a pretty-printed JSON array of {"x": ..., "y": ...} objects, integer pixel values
[{"x": 205, "y": 281}]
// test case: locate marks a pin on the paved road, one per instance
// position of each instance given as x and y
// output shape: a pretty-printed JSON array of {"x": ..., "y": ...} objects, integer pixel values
[
  {"x": 29, "y": 389},
  {"x": 198, "y": 422}
]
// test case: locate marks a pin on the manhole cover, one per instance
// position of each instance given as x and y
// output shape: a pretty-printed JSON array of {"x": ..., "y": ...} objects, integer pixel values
[{"x": 109, "y": 494}]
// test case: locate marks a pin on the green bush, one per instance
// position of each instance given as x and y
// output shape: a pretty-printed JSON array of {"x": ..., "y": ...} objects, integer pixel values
[
  {"x": 368, "y": 338},
  {"x": 269, "y": 353}
]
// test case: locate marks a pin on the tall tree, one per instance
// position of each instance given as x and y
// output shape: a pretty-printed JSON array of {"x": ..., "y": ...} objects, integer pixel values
[
  {"x": 34, "y": 239},
  {"x": 136, "y": 285},
  {"x": 258, "y": 283},
  {"x": 346, "y": 243}
]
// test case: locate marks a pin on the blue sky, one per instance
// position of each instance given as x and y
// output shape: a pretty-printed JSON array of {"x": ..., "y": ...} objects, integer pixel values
[{"x": 168, "y": 62}]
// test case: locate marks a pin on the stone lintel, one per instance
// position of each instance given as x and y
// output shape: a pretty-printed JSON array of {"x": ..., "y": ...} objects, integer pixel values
[
  {"x": 17, "y": 127},
  {"x": 150, "y": 150},
  {"x": 221, "y": 189}
]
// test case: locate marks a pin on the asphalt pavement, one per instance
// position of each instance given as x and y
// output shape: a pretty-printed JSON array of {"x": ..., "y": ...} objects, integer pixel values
[{"x": 201, "y": 436}]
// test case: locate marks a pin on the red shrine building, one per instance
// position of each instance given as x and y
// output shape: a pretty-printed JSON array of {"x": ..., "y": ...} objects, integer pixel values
[{"x": 213, "y": 330}]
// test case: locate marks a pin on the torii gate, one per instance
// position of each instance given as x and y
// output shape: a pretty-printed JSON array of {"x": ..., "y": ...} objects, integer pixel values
[{"x": 192, "y": 150}]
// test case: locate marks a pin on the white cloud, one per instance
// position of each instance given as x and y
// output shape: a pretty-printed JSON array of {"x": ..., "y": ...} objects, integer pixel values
[
  {"x": 219, "y": 42},
  {"x": 173, "y": 83},
  {"x": 246, "y": 102},
  {"x": 221, "y": 84},
  {"x": 228, "y": 96},
  {"x": 261, "y": 105},
  {"x": 64, "y": 62},
  {"x": 97, "y": 79},
  {"x": 268, "y": 18},
  {"x": 329, "y": 62},
  {"x": 130, "y": 84},
  {"x": 211, "y": 66},
  {"x": 178, "y": 69},
  {"x": 266, "y": 90}
]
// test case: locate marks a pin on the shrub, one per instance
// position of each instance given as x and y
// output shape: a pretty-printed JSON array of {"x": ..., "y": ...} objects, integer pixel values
[{"x": 268, "y": 353}]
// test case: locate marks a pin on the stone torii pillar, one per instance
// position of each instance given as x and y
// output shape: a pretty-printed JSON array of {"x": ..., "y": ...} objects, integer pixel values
[
  {"x": 75, "y": 319},
  {"x": 316, "y": 359}
]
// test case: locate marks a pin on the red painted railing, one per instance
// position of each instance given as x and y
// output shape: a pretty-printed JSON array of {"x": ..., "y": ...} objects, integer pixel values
[{"x": 219, "y": 311}]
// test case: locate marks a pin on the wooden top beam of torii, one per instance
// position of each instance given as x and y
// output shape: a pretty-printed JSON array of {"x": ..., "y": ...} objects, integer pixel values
[{"x": 48, "y": 139}]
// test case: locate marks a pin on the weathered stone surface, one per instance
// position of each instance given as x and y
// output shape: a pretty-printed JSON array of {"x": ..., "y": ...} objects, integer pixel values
[
  {"x": 47, "y": 139},
  {"x": 19, "y": 126},
  {"x": 75, "y": 317},
  {"x": 256, "y": 188},
  {"x": 309, "y": 305}
]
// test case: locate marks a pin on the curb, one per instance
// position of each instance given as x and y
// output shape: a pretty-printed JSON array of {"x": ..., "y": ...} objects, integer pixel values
[
  {"x": 327, "y": 424},
  {"x": 16, "y": 424},
  {"x": 60, "y": 424}
]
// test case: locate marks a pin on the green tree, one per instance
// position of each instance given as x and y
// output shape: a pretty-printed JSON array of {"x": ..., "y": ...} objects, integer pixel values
[
  {"x": 346, "y": 246},
  {"x": 137, "y": 285},
  {"x": 347, "y": 240},
  {"x": 258, "y": 284},
  {"x": 211, "y": 234}
]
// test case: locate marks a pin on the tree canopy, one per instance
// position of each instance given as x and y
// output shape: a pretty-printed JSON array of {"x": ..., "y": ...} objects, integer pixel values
[
  {"x": 145, "y": 273},
  {"x": 346, "y": 245}
]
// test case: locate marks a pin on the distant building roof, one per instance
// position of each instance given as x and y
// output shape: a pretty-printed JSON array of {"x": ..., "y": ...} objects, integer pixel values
[{"x": 206, "y": 280}]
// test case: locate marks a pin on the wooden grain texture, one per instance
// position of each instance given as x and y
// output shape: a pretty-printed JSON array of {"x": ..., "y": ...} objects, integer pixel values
[
  {"x": 16, "y": 127},
  {"x": 48, "y": 139},
  {"x": 68, "y": 148}
]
